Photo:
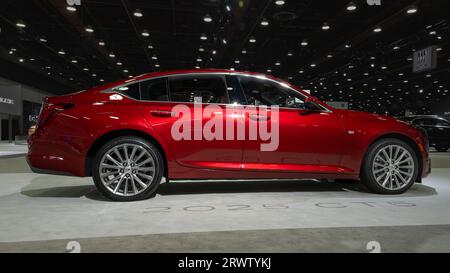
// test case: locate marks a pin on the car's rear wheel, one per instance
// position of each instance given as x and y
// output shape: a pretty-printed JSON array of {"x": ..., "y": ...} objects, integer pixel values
[
  {"x": 390, "y": 167},
  {"x": 128, "y": 169}
]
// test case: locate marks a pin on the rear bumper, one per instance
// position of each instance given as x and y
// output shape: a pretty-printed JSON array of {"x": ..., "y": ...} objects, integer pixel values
[{"x": 54, "y": 157}]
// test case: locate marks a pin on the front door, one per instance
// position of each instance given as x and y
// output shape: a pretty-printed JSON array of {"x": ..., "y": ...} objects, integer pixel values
[{"x": 309, "y": 141}]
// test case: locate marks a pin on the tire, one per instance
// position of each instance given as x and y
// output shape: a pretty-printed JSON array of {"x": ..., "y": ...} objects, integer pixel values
[
  {"x": 128, "y": 180},
  {"x": 441, "y": 149},
  {"x": 391, "y": 183}
]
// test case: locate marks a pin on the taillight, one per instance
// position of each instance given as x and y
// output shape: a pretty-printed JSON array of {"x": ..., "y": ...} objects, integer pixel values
[{"x": 51, "y": 109}]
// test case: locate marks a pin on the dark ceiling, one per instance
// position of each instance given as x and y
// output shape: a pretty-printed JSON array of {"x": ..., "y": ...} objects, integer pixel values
[{"x": 54, "y": 52}]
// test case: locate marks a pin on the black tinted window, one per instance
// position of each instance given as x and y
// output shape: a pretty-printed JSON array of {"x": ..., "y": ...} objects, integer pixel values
[
  {"x": 441, "y": 122},
  {"x": 131, "y": 91},
  {"x": 154, "y": 90},
  {"x": 265, "y": 92},
  {"x": 211, "y": 89},
  {"x": 425, "y": 121}
]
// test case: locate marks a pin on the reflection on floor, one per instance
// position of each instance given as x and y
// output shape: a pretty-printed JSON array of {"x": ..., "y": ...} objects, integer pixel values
[{"x": 43, "y": 213}]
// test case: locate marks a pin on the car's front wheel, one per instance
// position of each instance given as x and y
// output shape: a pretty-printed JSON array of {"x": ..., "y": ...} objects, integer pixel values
[
  {"x": 128, "y": 169},
  {"x": 390, "y": 167}
]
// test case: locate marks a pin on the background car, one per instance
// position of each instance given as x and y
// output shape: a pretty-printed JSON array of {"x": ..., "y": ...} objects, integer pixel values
[
  {"x": 121, "y": 134},
  {"x": 437, "y": 128}
]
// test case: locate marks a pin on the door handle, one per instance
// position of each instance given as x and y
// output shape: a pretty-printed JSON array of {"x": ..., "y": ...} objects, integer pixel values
[
  {"x": 161, "y": 113},
  {"x": 257, "y": 117}
]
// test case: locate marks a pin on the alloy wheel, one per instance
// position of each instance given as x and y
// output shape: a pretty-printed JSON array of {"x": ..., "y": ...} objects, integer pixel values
[
  {"x": 127, "y": 169},
  {"x": 393, "y": 167}
]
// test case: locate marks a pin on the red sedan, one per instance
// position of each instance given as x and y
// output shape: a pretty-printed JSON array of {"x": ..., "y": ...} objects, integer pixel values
[{"x": 218, "y": 124}]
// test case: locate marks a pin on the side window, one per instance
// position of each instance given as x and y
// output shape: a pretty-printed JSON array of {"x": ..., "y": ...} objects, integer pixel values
[
  {"x": 131, "y": 90},
  {"x": 264, "y": 92},
  {"x": 425, "y": 122},
  {"x": 211, "y": 89},
  {"x": 154, "y": 90},
  {"x": 441, "y": 122}
]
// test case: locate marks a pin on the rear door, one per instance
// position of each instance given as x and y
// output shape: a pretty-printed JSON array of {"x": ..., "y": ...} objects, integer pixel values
[{"x": 186, "y": 126}]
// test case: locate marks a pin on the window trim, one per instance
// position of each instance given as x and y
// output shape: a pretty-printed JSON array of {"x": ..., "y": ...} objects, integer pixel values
[{"x": 235, "y": 74}]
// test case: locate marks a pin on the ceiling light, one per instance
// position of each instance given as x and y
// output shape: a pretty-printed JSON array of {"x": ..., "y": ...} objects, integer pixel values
[
  {"x": 351, "y": 6},
  {"x": 236, "y": 61},
  {"x": 89, "y": 29},
  {"x": 244, "y": 51},
  {"x": 325, "y": 26},
  {"x": 119, "y": 63},
  {"x": 396, "y": 47},
  {"x": 74, "y": 61},
  {"x": 125, "y": 71},
  {"x": 201, "y": 49},
  {"x": 329, "y": 56},
  {"x": 138, "y": 13},
  {"x": 199, "y": 60},
  {"x": 157, "y": 65},
  {"x": 264, "y": 22},
  {"x": 203, "y": 37},
  {"x": 411, "y": 10},
  {"x": 224, "y": 41},
  {"x": 101, "y": 43},
  {"x": 290, "y": 54},
  {"x": 21, "y": 60},
  {"x": 150, "y": 47},
  {"x": 43, "y": 40},
  {"x": 304, "y": 43},
  {"x": 112, "y": 55},
  {"x": 277, "y": 63},
  {"x": 279, "y": 2},
  {"x": 207, "y": 18},
  {"x": 252, "y": 40},
  {"x": 433, "y": 32},
  {"x": 145, "y": 33},
  {"x": 71, "y": 8},
  {"x": 214, "y": 52},
  {"x": 154, "y": 57},
  {"x": 348, "y": 46},
  {"x": 313, "y": 65},
  {"x": 377, "y": 29},
  {"x": 61, "y": 52},
  {"x": 86, "y": 69},
  {"x": 269, "y": 70},
  {"x": 197, "y": 67},
  {"x": 21, "y": 24}
]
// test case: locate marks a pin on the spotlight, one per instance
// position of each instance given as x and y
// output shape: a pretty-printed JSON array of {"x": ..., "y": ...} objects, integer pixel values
[
  {"x": 138, "y": 13},
  {"x": 351, "y": 6},
  {"x": 411, "y": 10},
  {"x": 89, "y": 29},
  {"x": 207, "y": 18},
  {"x": 21, "y": 24}
]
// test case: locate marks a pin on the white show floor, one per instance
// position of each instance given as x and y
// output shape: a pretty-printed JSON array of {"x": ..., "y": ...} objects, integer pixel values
[{"x": 37, "y": 207}]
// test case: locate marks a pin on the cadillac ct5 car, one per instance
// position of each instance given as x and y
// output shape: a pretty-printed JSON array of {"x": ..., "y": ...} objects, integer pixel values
[{"x": 122, "y": 134}]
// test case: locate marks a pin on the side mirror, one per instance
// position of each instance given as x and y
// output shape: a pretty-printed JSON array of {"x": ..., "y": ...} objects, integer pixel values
[{"x": 311, "y": 106}]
